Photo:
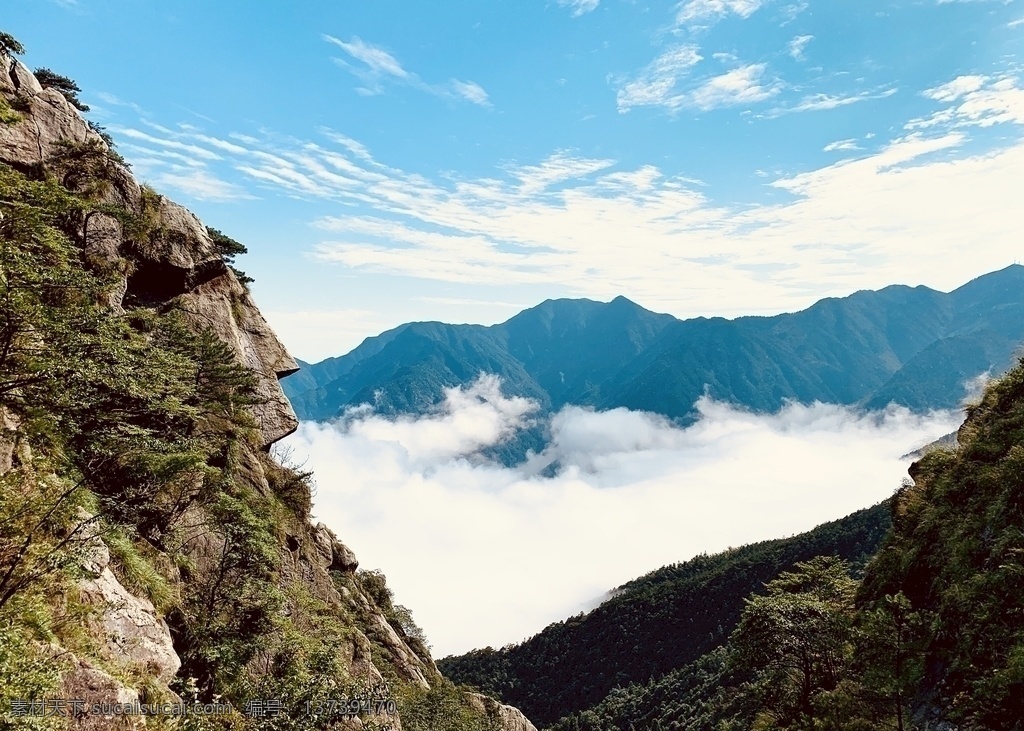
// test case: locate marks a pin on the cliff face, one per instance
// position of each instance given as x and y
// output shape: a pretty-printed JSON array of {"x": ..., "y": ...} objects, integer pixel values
[
  {"x": 180, "y": 263},
  {"x": 189, "y": 558}
]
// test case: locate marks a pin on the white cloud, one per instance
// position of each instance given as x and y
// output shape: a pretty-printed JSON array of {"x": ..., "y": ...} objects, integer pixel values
[
  {"x": 580, "y": 7},
  {"x": 375, "y": 58},
  {"x": 956, "y": 88},
  {"x": 667, "y": 82},
  {"x": 379, "y": 66},
  {"x": 630, "y": 493},
  {"x": 558, "y": 168},
  {"x": 201, "y": 185},
  {"x": 850, "y": 144},
  {"x": 471, "y": 91},
  {"x": 742, "y": 85},
  {"x": 191, "y": 149},
  {"x": 695, "y": 10},
  {"x": 797, "y": 46},
  {"x": 908, "y": 212},
  {"x": 657, "y": 84},
  {"x": 1015, "y": 23},
  {"x": 824, "y": 102},
  {"x": 978, "y": 101},
  {"x": 114, "y": 100}
]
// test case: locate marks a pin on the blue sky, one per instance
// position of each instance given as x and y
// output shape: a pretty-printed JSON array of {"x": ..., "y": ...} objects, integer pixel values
[{"x": 459, "y": 161}]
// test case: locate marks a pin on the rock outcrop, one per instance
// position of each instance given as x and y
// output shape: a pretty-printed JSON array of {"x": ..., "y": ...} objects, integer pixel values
[
  {"x": 175, "y": 265},
  {"x": 181, "y": 263},
  {"x": 510, "y": 718},
  {"x": 134, "y": 633}
]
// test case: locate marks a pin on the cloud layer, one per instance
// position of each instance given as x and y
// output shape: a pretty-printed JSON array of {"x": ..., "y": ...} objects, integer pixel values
[{"x": 486, "y": 555}]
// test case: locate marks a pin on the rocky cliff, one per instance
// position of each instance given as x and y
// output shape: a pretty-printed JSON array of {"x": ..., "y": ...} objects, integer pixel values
[{"x": 153, "y": 550}]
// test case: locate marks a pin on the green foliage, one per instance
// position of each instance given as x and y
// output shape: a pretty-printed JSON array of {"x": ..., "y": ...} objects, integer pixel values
[
  {"x": 68, "y": 89},
  {"x": 143, "y": 420},
  {"x": 696, "y": 696},
  {"x": 651, "y": 626},
  {"x": 137, "y": 572},
  {"x": 7, "y": 114},
  {"x": 229, "y": 249},
  {"x": 444, "y": 706},
  {"x": 797, "y": 637},
  {"x": 956, "y": 553},
  {"x": 29, "y": 672},
  {"x": 10, "y": 45}
]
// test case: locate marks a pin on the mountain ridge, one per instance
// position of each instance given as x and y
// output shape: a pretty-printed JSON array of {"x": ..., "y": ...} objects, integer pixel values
[{"x": 902, "y": 344}]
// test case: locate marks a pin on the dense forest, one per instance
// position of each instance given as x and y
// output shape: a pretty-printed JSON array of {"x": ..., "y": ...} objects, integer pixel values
[{"x": 652, "y": 625}]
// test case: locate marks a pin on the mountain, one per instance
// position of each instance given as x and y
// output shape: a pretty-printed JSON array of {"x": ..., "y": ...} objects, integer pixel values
[
  {"x": 903, "y": 616},
  {"x": 909, "y": 345},
  {"x": 154, "y": 555},
  {"x": 652, "y": 625}
]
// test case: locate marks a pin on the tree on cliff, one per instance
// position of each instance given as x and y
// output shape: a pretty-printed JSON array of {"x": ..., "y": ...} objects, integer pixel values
[{"x": 69, "y": 89}]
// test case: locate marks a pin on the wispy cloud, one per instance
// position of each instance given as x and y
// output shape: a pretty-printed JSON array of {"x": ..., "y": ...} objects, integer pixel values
[
  {"x": 841, "y": 145},
  {"x": 692, "y": 11},
  {"x": 1015, "y": 23},
  {"x": 201, "y": 185},
  {"x": 658, "y": 84},
  {"x": 376, "y": 66},
  {"x": 743, "y": 85},
  {"x": 668, "y": 82},
  {"x": 558, "y": 168},
  {"x": 376, "y": 59},
  {"x": 788, "y": 13},
  {"x": 580, "y": 7},
  {"x": 824, "y": 102},
  {"x": 600, "y": 228},
  {"x": 976, "y": 101},
  {"x": 797, "y": 46},
  {"x": 115, "y": 101},
  {"x": 471, "y": 91},
  {"x": 628, "y": 488}
]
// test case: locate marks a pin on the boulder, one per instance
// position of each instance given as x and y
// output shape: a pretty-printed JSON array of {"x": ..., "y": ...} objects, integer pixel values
[
  {"x": 88, "y": 687},
  {"x": 133, "y": 630},
  {"x": 509, "y": 717}
]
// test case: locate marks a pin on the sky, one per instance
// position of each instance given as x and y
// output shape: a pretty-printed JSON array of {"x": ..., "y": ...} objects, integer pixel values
[
  {"x": 486, "y": 555},
  {"x": 460, "y": 161}
]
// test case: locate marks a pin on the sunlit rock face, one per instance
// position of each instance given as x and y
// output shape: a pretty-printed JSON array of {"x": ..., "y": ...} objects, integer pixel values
[{"x": 180, "y": 264}]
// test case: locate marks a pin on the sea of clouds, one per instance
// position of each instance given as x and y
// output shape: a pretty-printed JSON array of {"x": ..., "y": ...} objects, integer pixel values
[{"x": 486, "y": 554}]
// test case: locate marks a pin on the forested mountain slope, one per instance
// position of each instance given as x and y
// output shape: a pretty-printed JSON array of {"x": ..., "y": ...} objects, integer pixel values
[
  {"x": 652, "y": 625},
  {"x": 152, "y": 550},
  {"x": 929, "y": 634},
  {"x": 909, "y": 345}
]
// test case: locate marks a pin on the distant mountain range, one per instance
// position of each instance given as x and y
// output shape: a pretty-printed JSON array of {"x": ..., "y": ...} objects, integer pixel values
[{"x": 913, "y": 346}]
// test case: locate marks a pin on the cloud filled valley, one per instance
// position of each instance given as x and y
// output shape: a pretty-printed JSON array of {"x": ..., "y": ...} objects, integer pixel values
[{"x": 487, "y": 555}]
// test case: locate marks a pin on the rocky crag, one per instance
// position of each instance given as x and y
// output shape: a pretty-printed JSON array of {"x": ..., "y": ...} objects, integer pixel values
[{"x": 152, "y": 550}]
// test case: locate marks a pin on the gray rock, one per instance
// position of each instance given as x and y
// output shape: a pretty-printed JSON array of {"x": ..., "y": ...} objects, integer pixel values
[
  {"x": 343, "y": 559},
  {"x": 509, "y": 717},
  {"x": 8, "y": 439},
  {"x": 222, "y": 305},
  {"x": 178, "y": 261},
  {"x": 133, "y": 630},
  {"x": 84, "y": 682}
]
